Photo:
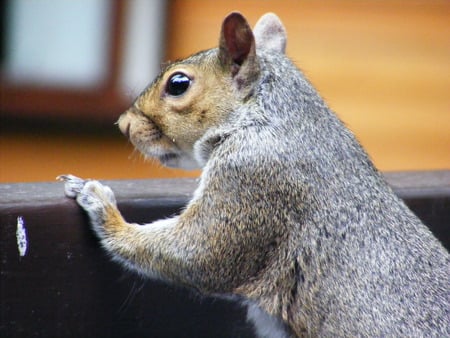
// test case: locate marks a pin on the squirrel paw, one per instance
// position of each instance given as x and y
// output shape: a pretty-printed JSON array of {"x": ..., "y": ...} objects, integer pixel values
[
  {"x": 94, "y": 197},
  {"x": 72, "y": 186},
  {"x": 87, "y": 191},
  {"x": 93, "y": 193}
]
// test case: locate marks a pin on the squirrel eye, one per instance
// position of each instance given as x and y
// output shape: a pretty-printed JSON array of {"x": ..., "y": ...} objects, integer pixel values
[{"x": 177, "y": 84}]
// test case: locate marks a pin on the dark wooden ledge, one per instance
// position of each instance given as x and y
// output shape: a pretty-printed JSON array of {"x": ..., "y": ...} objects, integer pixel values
[{"x": 65, "y": 285}]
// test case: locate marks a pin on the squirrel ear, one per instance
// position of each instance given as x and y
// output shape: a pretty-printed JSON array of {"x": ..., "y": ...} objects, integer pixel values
[
  {"x": 236, "y": 44},
  {"x": 270, "y": 33}
]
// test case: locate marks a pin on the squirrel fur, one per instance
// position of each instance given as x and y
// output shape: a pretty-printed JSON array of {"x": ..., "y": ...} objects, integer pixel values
[{"x": 290, "y": 215}]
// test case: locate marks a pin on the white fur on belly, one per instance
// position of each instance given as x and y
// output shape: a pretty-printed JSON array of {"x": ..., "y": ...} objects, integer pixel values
[{"x": 266, "y": 326}]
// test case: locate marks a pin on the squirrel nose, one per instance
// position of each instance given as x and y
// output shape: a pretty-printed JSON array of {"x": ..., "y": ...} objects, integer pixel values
[{"x": 124, "y": 124}]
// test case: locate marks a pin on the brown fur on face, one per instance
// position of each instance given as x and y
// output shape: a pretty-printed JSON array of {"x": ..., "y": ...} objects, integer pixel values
[{"x": 166, "y": 127}]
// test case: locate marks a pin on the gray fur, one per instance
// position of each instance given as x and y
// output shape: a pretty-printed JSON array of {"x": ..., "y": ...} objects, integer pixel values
[{"x": 349, "y": 258}]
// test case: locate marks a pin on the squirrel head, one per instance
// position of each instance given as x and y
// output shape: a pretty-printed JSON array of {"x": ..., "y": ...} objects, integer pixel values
[{"x": 197, "y": 94}]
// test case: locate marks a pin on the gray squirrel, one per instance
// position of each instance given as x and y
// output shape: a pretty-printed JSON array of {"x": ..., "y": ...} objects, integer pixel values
[{"x": 290, "y": 216}]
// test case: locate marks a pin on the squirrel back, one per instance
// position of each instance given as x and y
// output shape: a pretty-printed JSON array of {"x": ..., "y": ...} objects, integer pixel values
[{"x": 290, "y": 215}]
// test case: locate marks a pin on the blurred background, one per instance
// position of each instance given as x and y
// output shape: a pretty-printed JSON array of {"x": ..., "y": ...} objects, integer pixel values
[{"x": 69, "y": 68}]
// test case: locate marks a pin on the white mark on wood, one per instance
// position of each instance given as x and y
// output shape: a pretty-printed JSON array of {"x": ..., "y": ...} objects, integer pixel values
[{"x": 21, "y": 235}]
